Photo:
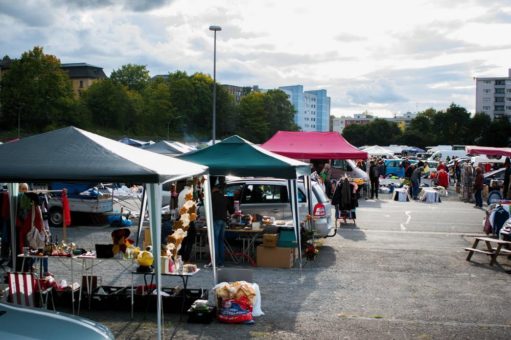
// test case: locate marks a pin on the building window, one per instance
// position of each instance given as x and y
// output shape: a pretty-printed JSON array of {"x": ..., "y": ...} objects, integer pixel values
[
  {"x": 487, "y": 90},
  {"x": 486, "y": 107},
  {"x": 81, "y": 84},
  {"x": 500, "y": 82},
  {"x": 508, "y": 99},
  {"x": 499, "y": 91},
  {"x": 499, "y": 107},
  {"x": 499, "y": 99},
  {"x": 508, "y": 107},
  {"x": 508, "y": 90},
  {"x": 487, "y": 81},
  {"x": 486, "y": 100}
]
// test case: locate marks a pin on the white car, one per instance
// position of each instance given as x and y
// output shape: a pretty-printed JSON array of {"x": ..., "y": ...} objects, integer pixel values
[{"x": 269, "y": 197}]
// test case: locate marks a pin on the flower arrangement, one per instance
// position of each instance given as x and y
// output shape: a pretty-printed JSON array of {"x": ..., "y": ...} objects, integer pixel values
[
  {"x": 187, "y": 214},
  {"x": 311, "y": 251}
]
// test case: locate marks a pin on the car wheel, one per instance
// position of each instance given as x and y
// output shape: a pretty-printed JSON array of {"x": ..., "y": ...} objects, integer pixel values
[{"x": 55, "y": 217}]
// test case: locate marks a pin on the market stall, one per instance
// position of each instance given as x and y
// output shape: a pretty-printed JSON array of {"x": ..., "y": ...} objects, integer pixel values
[
  {"x": 72, "y": 154},
  {"x": 313, "y": 145},
  {"x": 379, "y": 151},
  {"x": 238, "y": 157}
]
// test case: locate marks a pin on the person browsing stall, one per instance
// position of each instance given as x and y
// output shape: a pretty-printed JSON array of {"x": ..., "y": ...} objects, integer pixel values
[{"x": 221, "y": 208}]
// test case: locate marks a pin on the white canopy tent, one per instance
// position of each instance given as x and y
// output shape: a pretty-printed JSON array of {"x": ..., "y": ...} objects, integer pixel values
[{"x": 377, "y": 150}]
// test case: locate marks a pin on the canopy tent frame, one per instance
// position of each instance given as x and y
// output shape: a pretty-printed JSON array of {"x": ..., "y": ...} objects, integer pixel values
[
  {"x": 239, "y": 157},
  {"x": 58, "y": 157}
]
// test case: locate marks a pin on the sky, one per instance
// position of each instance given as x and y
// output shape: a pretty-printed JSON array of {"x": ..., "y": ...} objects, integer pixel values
[{"x": 383, "y": 57}]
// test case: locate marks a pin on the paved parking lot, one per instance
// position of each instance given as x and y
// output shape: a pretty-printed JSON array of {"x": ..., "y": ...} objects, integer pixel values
[{"x": 399, "y": 273}]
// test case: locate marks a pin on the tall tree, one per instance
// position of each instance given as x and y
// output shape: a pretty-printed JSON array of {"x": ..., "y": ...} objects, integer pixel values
[
  {"x": 355, "y": 134},
  {"x": 382, "y": 132},
  {"x": 477, "y": 127},
  {"x": 134, "y": 77},
  {"x": 36, "y": 92},
  {"x": 111, "y": 106},
  {"x": 497, "y": 133},
  {"x": 253, "y": 123},
  {"x": 159, "y": 116},
  {"x": 280, "y": 111},
  {"x": 451, "y": 126}
]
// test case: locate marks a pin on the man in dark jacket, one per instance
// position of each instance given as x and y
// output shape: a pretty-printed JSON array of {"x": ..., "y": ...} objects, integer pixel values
[
  {"x": 220, "y": 207},
  {"x": 374, "y": 177},
  {"x": 507, "y": 175}
]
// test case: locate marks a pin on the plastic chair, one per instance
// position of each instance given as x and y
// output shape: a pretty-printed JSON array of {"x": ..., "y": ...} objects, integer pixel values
[{"x": 22, "y": 290}]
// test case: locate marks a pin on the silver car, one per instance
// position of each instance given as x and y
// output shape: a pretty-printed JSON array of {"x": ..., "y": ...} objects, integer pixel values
[{"x": 269, "y": 197}]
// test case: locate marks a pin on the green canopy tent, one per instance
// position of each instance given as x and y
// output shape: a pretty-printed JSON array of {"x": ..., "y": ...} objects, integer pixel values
[{"x": 238, "y": 157}]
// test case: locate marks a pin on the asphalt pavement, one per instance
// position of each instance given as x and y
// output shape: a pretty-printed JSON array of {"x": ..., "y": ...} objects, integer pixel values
[{"x": 398, "y": 273}]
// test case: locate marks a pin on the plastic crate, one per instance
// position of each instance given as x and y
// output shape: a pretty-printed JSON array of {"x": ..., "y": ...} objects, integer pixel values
[
  {"x": 287, "y": 239},
  {"x": 173, "y": 303},
  {"x": 111, "y": 298},
  {"x": 199, "y": 316}
]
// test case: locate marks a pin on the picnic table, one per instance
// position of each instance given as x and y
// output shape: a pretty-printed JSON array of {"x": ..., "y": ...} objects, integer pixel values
[{"x": 490, "y": 250}]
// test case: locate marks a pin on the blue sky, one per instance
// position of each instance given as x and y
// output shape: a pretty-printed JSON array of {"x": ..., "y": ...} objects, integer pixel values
[{"x": 384, "y": 57}]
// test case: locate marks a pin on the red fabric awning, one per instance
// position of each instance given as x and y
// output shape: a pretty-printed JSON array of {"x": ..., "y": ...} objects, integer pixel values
[
  {"x": 313, "y": 145},
  {"x": 487, "y": 150}
]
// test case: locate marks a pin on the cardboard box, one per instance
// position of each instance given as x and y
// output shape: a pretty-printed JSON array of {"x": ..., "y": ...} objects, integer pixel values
[
  {"x": 270, "y": 240},
  {"x": 275, "y": 257}
]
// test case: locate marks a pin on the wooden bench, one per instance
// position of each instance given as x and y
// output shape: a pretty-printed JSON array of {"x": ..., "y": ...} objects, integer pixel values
[{"x": 490, "y": 250}]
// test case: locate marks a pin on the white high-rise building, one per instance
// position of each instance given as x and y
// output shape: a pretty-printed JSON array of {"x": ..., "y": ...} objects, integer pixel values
[
  {"x": 493, "y": 96},
  {"x": 312, "y": 108}
]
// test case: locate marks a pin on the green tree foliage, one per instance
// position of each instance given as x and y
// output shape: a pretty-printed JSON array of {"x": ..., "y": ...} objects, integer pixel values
[
  {"x": 451, "y": 126},
  {"x": 134, "y": 77},
  {"x": 111, "y": 106},
  {"x": 382, "y": 132},
  {"x": 159, "y": 116},
  {"x": 253, "y": 123},
  {"x": 36, "y": 91},
  {"x": 355, "y": 134},
  {"x": 280, "y": 111},
  {"x": 497, "y": 133},
  {"x": 477, "y": 127}
]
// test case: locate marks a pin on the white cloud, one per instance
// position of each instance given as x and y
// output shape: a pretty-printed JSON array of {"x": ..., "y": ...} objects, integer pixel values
[{"x": 379, "y": 56}]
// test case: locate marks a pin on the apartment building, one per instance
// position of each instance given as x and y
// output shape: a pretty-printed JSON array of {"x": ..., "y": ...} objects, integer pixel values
[
  {"x": 493, "y": 96},
  {"x": 312, "y": 107},
  {"x": 340, "y": 123},
  {"x": 82, "y": 75}
]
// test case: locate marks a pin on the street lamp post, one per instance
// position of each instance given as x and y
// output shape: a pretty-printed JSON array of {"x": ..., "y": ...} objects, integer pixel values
[{"x": 214, "y": 29}]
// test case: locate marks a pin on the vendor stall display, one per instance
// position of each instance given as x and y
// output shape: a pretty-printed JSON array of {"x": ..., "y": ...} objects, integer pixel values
[{"x": 345, "y": 200}]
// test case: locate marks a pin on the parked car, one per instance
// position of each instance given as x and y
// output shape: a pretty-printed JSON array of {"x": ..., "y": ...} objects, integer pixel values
[
  {"x": 441, "y": 155},
  {"x": 34, "y": 323},
  {"x": 341, "y": 167},
  {"x": 494, "y": 175},
  {"x": 269, "y": 197}
]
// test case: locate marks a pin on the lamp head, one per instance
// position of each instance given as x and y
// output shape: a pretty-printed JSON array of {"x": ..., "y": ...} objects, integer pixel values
[{"x": 215, "y": 28}]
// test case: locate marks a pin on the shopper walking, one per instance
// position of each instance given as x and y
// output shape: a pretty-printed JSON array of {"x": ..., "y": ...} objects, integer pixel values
[
  {"x": 374, "y": 177},
  {"x": 478, "y": 188},
  {"x": 507, "y": 176}
]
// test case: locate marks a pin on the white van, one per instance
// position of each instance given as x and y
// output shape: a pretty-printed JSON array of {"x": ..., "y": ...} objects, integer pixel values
[
  {"x": 441, "y": 155},
  {"x": 347, "y": 166},
  {"x": 485, "y": 159}
]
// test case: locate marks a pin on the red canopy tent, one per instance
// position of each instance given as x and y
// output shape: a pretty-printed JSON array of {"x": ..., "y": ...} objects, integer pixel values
[
  {"x": 313, "y": 145},
  {"x": 487, "y": 150}
]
